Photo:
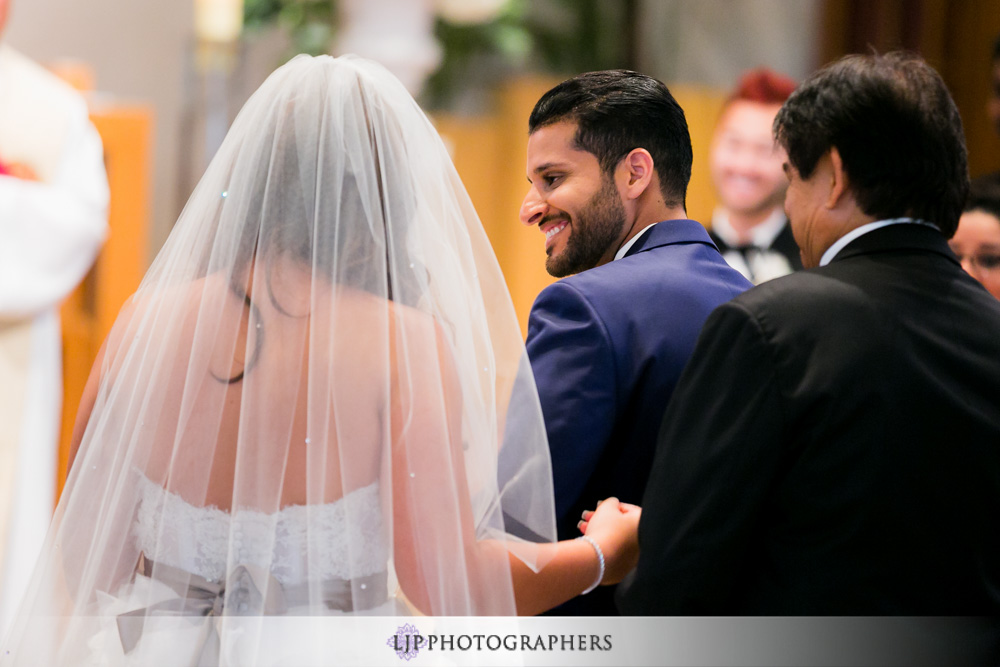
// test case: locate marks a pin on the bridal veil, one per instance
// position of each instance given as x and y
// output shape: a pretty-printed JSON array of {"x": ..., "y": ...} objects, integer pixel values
[{"x": 317, "y": 402}]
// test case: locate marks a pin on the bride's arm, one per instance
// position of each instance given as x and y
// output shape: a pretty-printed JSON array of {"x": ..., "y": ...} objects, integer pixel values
[
  {"x": 433, "y": 521},
  {"x": 573, "y": 565}
]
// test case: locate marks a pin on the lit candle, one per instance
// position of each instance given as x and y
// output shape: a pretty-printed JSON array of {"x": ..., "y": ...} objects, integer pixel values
[{"x": 218, "y": 20}]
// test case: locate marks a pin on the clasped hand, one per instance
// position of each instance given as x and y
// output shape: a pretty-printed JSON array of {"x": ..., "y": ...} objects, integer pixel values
[{"x": 615, "y": 526}]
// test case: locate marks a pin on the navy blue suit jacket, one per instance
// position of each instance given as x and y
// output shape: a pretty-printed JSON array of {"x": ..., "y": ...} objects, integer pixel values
[{"x": 607, "y": 347}]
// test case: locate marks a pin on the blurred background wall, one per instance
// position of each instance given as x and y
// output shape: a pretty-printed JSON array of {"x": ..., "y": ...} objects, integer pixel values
[
  {"x": 135, "y": 51},
  {"x": 146, "y": 51},
  {"x": 487, "y": 60},
  {"x": 710, "y": 42}
]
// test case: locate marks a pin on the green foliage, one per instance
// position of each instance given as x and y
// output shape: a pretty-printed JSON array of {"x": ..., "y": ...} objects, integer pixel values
[
  {"x": 573, "y": 36},
  {"x": 310, "y": 23},
  {"x": 476, "y": 56},
  {"x": 557, "y": 36}
]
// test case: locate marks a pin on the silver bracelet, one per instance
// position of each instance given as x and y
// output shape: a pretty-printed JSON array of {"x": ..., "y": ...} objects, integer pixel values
[{"x": 600, "y": 558}]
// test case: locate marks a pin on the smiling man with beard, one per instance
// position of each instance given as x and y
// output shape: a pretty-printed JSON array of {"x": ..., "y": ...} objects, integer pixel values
[{"x": 609, "y": 160}]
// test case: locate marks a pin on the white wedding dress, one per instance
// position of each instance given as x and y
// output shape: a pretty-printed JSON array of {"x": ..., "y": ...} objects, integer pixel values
[
  {"x": 183, "y": 540},
  {"x": 171, "y": 532}
]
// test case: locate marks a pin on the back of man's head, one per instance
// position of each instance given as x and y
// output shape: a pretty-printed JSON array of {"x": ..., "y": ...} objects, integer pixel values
[
  {"x": 896, "y": 128},
  {"x": 617, "y": 111}
]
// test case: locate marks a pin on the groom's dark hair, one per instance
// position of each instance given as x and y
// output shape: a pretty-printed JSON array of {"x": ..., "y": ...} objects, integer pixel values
[{"x": 617, "y": 111}]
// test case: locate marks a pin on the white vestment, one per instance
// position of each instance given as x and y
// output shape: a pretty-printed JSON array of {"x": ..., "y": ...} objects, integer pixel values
[{"x": 50, "y": 233}]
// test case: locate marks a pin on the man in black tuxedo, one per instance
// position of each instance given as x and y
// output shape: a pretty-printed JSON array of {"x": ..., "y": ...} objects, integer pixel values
[{"x": 833, "y": 447}]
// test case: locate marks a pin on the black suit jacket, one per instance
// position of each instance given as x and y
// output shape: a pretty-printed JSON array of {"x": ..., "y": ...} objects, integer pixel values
[{"x": 833, "y": 447}]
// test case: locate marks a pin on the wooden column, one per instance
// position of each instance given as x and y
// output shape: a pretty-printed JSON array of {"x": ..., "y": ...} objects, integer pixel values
[
  {"x": 956, "y": 38},
  {"x": 89, "y": 312}
]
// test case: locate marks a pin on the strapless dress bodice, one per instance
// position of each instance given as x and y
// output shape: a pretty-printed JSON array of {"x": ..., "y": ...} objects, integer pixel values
[{"x": 343, "y": 540}]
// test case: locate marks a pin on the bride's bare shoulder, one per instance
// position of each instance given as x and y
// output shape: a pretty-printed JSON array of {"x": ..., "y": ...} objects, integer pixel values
[{"x": 167, "y": 310}]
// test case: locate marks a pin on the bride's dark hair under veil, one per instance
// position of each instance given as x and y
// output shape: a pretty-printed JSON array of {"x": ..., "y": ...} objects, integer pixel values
[{"x": 302, "y": 409}]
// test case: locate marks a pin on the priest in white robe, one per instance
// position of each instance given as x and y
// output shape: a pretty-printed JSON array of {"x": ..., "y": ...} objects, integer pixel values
[{"x": 53, "y": 220}]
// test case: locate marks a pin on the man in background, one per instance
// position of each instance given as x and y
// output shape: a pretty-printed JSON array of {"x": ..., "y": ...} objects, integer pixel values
[
  {"x": 834, "y": 446},
  {"x": 609, "y": 160},
  {"x": 53, "y": 220},
  {"x": 749, "y": 224}
]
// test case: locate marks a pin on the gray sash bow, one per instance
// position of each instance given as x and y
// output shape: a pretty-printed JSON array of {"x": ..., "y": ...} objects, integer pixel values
[{"x": 249, "y": 590}]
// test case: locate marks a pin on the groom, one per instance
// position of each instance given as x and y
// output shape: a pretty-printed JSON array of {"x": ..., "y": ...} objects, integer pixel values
[{"x": 609, "y": 159}]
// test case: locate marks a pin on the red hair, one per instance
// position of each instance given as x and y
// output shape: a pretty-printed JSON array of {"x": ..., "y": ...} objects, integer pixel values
[{"x": 764, "y": 86}]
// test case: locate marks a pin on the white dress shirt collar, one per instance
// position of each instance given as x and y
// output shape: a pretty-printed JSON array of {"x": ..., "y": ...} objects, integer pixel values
[
  {"x": 631, "y": 242},
  {"x": 842, "y": 242},
  {"x": 762, "y": 234}
]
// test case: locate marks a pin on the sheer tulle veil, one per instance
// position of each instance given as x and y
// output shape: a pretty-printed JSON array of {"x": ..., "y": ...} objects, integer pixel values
[{"x": 318, "y": 400}]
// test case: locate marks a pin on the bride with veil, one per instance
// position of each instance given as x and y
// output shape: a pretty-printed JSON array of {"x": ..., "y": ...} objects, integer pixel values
[{"x": 317, "y": 403}]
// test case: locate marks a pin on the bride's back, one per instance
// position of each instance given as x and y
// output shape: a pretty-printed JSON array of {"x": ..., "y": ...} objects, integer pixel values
[
  {"x": 296, "y": 381},
  {"x": 273, "y": 354}
]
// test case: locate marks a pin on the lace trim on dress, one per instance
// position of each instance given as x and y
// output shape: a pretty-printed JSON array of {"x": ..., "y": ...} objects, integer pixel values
[{"x": 339, "y": 540}]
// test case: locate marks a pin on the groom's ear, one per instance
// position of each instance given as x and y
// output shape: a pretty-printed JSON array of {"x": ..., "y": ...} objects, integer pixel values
[{"x": 635, "y": 172}]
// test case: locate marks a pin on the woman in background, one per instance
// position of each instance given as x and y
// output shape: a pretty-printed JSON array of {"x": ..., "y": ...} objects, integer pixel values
[{"x": 977, "y": 240}]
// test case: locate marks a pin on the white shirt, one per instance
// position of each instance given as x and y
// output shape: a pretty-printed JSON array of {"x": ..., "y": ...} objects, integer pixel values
[
  {"x": 628, "y": 244},
  {"x": 762, "y": 234},
  {"x": 763, "y": 263}
]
